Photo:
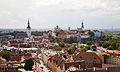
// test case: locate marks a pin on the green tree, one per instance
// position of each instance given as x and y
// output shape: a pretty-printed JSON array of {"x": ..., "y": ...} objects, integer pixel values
[
  {"x": 110, "y": 48},
  {"x": 65, "y": 56},
  {"x": 88, "y": 47},
  {"x": 119, "y": 48},
  {"x": 7, "y": 55},
  {"x": 28, "y": 64},
  {"x": 89, "y": 42},
  {"x": 58, "y": 48},
  {"x": 70, "y": 51},
  {"x": 62, "y": 44},
  {"x": 106, "y": 44},
  {"x": 100, "y": 43},
  {"x": 84, "y": 49},
  {"x": 91, "y": 33}
]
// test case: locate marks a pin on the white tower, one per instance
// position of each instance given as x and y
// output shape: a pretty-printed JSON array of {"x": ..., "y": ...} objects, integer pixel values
[{"x": 28, "y": 29}]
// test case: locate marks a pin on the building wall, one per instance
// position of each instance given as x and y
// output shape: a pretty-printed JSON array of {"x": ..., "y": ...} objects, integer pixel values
[{"x": 114, "y": 61}]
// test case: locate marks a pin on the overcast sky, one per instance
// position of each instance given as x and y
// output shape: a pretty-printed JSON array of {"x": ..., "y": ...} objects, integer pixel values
[{"x": 65, "y": 13}]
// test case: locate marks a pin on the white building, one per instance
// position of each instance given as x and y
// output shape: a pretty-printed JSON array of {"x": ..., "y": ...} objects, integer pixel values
[{"x": 98, "y": 33}]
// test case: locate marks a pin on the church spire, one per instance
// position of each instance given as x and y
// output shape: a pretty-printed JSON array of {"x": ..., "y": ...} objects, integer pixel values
[
  {"x": 82, "y": 25},
  {"x": 28, "y": 24}
]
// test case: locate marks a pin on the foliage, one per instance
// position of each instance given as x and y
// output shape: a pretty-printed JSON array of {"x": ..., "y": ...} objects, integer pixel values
[
  {"x": 37, "y": 33},
  {"x": 106, "y": 44},
  {"x": 82, "y": 46},
  {"x": 29, "y": 64},
  {"x": 84, "y": 49},
  {"x": 71, "y": 40},
  {"x": 7, "y": 55},
  {"x": 2, "y": 71},
  {"x": 71, "y": 50},
  {"x": 63, "y": 55},
  {"x": 110, "y": 48},
  {"x": 91, "y": 33},
  {"x": 21, "y": 67},
  {"x": 88, "y": 47},
  {"x": 62, "y": 44},
  {"x": 89, "y": 42},
  {"x": 100, "y": 43},
  {"x": 118, "y": 48},
  {"x": 58, "y": 48}
]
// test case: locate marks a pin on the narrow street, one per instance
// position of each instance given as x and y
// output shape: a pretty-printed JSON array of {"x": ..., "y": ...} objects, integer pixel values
[{"x": 42, "y": 65}]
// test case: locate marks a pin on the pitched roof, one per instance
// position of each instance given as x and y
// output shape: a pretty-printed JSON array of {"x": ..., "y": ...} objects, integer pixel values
[
  {"x": 87, "y": 55},
  {"x": 16, "y": 58}
]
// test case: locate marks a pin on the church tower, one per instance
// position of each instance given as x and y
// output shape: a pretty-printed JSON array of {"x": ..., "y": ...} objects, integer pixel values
[
  {"x": 82, "y": 25},
  {"x": 28, "y": 29}
]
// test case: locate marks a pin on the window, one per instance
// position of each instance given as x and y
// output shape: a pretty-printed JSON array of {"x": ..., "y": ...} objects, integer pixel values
[{"x": 80, "y": 58}]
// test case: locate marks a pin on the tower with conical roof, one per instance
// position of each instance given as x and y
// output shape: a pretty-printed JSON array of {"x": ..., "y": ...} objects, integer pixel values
[{"x": 28, "y": 29}]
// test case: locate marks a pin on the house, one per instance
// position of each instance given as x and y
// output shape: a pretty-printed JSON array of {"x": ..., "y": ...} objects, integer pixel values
[
  {"x": 56, "y": 63},
  {"x": 77, "y": 64},
  {"x": 90, "y": 58},
  {"x": 98, "y": 33},
  {"x": 113, "y": 60}
]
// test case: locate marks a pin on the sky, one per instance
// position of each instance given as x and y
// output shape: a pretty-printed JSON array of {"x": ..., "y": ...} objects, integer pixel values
[{"x": 96, "y": 14}]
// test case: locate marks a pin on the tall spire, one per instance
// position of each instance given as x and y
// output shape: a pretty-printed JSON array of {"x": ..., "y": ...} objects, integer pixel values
[
  {"x": 28, "y": 24},
  {"x": 82, "y": 25}
]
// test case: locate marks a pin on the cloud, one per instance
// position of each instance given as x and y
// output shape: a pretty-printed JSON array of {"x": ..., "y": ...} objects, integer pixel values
[{"x": 49, "y": 13}]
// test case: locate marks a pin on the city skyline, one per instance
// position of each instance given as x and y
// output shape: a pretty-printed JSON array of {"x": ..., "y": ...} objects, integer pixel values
[{"x": 96, "y": 14}]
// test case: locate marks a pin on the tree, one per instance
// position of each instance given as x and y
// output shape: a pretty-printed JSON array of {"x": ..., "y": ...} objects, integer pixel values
[
  {"x": 58, "y": 48},
  {"x": 28, "y": 64},
  {"x": 106, "y": 44},
  {"x": 84, "y": 49},
  {"x": 62, "y": 44},
  {"x": 119, "y": 48},
  {"x": 100, "y": 43},
  {"x": 91, "y": 33},
  {"x": 70, "y": 51},
  {"x": 110, "y": 48},
  {"x": 89, "y": 42},
  {"x": 7, "y": 55},
  {"x": 88, "y": 47}
]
